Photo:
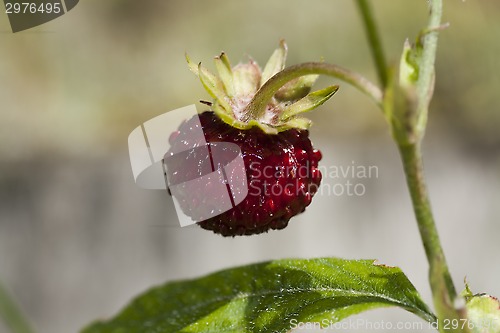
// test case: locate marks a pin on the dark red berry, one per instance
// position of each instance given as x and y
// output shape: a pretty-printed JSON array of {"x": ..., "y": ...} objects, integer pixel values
[
  {"x": 281, "y": 170},
  {"x": 261, "y": 128}
]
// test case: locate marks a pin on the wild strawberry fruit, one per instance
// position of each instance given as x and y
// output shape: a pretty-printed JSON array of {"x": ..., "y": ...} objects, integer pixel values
[{"x": 281, "y": 164}]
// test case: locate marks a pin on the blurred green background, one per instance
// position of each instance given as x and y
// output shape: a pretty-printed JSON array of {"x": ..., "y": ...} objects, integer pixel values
[{"x": 78, "y": 239}]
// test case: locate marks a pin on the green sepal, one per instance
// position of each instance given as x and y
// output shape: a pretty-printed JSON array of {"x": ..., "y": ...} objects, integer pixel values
[
  {"x": 296, "y": 88},
  {"x": 268, "y": 129},
  {"x": 234, "y": 88},
  {"x": 214, "y": 86},
  {"x": 296, "y": 122},
  {"x": 225, "y": 73},
  {"x": 309, "y": 102},
  {"x": 230, "y": 120},
  {"x": 246, "y": 78},
  {"x": 225, "y": 115},
  {"x": 415, "y": 116},
  {"x": 193, "y": 67},
  {"x": 276, "y": 62},
  {"x": 400, "y": 110}
]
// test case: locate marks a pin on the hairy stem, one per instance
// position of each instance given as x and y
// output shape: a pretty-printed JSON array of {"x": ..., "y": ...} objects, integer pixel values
[
  {"x": 411, "y": 156},
  {"x": 11, "y": 315},
  {"x": 258, "y": 104},
  {"x": 425, "y": 88},
  {"x": 441, "y": 283},
  {"x": 374, "y": 40},
  {"x": 425, "y": 82}
]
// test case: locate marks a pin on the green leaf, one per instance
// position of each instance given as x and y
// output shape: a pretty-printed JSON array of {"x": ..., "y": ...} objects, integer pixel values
[{"x": 268, "y": 297}]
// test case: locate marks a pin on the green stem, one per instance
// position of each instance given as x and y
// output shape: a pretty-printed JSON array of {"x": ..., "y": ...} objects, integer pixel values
[
  {"x": 425, "y": 82},
  {"x": 441, "y": 283},
  {"x": 11, "y": 314},
  {"x": 425, "y": 88},
  {"x": 411, "y": 156},
  {"x": 257, "y": 105},
  {"x": 374, "y": 40}
]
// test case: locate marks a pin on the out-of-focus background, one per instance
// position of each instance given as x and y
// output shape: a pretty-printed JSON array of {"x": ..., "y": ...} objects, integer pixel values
[{"x": 78, "y": 239}]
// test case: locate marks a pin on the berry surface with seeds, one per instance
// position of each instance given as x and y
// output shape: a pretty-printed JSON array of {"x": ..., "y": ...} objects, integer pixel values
[{"x": 281, "y": 169}]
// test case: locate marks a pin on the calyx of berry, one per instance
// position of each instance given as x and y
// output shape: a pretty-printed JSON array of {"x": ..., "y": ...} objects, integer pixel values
[{"x": 235, "y": 87}]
